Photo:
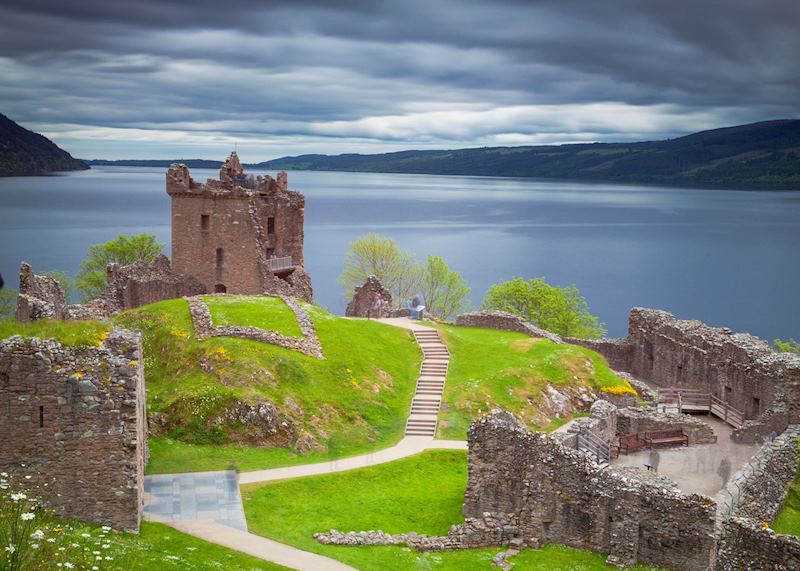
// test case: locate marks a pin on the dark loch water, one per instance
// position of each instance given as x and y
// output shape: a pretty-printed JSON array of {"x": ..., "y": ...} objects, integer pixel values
[{"x": 730, "y": 258}]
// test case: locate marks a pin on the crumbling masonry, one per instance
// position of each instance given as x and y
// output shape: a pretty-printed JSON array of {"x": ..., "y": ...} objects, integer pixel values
[
  {"x": 737, "y": 368},
  {"x": 239, "y": 234},
  {"x": 73, "y": 420}
]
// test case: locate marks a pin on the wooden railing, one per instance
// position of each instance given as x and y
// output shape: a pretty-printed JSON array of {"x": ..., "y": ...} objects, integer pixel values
[
  {"x": 696, "y": 400},
  {"x": 726, "y": 412}
]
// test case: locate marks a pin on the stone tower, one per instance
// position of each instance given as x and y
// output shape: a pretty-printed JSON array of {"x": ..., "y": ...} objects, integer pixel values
[{"x": 238, "y": 234}]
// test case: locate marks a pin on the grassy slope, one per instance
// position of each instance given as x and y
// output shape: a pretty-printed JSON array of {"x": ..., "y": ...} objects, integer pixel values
[
  {"x": 788, "y": 520},
  {"x": 72, "y": 333},
  {"x": 423, "y": 493},
  {"x": 253, "y": 311},
  {"x": 353, "y": 401},
  {"x": 507, "y": 369}
]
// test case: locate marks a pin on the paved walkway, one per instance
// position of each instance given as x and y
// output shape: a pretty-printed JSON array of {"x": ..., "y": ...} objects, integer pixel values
[
  {"x": 195, "y": 496},
  {"x": 424, "y": 415},
  {"x": 408, "y": 446}
]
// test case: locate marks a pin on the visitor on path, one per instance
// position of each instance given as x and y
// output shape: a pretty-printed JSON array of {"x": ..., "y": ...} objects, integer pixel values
[
  {"x": 724, "y": 470},
  {"x": 655, "y": 459}
]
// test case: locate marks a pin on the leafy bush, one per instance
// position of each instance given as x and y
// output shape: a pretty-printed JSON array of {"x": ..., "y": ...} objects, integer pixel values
[
  {"x": 123, "y": 250},
  {"x": 560, "y": 310}
]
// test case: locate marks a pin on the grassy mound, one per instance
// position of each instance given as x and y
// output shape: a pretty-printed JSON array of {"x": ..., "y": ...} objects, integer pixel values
[
  {"x": 423, "y": 493},
  {"x": 788, "y": 520},
  {"x": 254, "y": 311},
  {"x": 71, "y": 333},
  {"x": 491, "y": 368},
  {"x": 353, "y": 401}
]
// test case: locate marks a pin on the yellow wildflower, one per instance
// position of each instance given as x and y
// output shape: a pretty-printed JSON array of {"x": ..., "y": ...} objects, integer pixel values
[
  {"x": 133, "y": 363},
  {"x": 619, "y": 390},
  {"x": 78, "y": 375}
]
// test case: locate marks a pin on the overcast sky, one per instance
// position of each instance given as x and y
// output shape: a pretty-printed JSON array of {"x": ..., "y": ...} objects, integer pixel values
[{"x": 148, "y": 79}]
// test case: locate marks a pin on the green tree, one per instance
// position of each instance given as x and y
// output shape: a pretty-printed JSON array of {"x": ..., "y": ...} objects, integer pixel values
[
  {"x": 561, "y": 310},
  {"x": 123, "y": 250},
  {"x": 381, "y": 257},
  {"x": 65, "y": 280},
  {"x": 446, "y": 292},
  {"x": 8, "y": 303},
  {"x": 790, "y": 346}
]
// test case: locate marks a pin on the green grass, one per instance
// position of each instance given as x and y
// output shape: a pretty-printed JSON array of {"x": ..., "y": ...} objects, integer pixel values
[
  {"x": 269, "y": 313},
  {"x": 353, "y": 401},
  {"x": 157, "y": 546},
  {"x": 423, "y": 493},
  {"x": 788, "y": 520},
  {"x": 491, "y": 368},
  {"x": 72, "y": 333}
]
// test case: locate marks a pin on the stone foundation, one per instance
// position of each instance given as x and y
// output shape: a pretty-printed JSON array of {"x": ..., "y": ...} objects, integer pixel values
[
  {"x": 73, "y": 420},
  {"x": 308, "y": 344}
]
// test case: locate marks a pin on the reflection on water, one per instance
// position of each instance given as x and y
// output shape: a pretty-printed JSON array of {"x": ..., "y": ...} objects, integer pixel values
[{"x": 726, "y": 257}]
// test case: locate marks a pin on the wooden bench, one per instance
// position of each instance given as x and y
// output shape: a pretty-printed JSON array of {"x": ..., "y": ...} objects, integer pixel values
[
  {"x": 658, "y": 437},
  {"x": 630, "y": 443}
]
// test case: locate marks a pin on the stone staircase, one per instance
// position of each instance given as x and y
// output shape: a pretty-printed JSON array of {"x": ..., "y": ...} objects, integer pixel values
[{"x": 428, "y": 397}]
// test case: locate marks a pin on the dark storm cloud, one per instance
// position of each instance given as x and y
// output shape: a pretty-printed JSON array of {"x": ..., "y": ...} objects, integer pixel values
[{"x": 410, "y": 73}]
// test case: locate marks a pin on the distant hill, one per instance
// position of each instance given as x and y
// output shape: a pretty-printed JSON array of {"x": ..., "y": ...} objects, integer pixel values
[
  {"x": 762, "y": 155},
  {"x": 191, "y": 163},
  {"x": 25, "y": 153}
]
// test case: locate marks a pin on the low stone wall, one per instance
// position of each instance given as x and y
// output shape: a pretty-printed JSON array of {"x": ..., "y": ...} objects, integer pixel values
[
  {"x": 641, "y": 420},
  {"x": 561, "y": 496},
  {"x": 753, "y": 497},
  {"x": 308, "y": 344},
  {"x": 504, "y": 321},
  {"x": 487, "y": 531},
  {"x": 747, "y": 546},
  {"x": 73, "y": 427}
]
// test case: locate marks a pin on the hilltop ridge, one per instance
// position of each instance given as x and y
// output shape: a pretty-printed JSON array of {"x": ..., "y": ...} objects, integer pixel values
[{"x": 25, "y": 153}]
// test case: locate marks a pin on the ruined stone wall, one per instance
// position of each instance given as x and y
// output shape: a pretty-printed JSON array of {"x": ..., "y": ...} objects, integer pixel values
[
  {"x": 39, "y": 297},
  {"x": 736, "y": 367},
  {"x": 143, "y": 283},
  {"x": 224, "y": 232},
  {"x": 73, "y": 419},
  {"x": 370, "y": 299},
  {"x": 638, "y": 421},
  {"x": 748, "y": 546},
  {"x": 560, "y": 496},
  {"x": 505, "y": 321}
]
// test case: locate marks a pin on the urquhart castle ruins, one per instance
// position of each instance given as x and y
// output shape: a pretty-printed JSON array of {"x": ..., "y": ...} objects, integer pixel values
[{"x": 75, "y": 420}]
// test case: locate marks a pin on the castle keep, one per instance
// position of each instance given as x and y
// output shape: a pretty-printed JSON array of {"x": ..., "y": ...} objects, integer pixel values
[{"x": 238, "y": 234}]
